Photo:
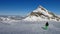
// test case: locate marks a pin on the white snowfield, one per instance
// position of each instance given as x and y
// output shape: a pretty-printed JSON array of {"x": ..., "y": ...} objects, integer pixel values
[{"x": 28, "y": 27}]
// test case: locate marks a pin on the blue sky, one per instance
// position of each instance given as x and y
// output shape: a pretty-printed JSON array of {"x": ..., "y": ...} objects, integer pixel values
[{"x": 23, "y": 7}]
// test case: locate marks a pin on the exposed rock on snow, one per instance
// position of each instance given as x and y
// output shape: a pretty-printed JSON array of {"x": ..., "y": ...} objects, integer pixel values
[{"x": 42, "y": 14}]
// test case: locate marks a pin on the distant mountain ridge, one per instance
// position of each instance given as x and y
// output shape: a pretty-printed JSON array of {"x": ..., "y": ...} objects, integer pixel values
[
  {"x": 5, "y": 18},
  {"x": 42, "y": 14}
]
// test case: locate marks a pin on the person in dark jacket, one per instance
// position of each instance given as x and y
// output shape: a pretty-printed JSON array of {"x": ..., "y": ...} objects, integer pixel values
[{"x": 46, "y": 25}]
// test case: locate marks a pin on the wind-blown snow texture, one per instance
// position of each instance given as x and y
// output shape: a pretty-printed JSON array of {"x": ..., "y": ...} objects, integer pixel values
[{"x": 26, "y": 27}]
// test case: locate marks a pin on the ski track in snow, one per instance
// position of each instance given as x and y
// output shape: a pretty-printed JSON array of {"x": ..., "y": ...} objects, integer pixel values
[{"x": 25, "y": 27}]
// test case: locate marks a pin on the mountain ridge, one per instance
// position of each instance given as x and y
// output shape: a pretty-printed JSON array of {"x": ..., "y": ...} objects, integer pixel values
[{"x": 43, "y": 14}]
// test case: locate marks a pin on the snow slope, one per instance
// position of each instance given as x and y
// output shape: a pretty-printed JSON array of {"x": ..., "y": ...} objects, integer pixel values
[{"x": 25, "y": 27}]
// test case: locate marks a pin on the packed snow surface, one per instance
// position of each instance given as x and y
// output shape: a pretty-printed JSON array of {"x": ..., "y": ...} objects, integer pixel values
[{"x": 28, "y": 27}]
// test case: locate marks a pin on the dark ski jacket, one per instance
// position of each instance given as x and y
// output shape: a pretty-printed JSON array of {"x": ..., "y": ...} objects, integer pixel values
[{"x": 47, "y": 24}]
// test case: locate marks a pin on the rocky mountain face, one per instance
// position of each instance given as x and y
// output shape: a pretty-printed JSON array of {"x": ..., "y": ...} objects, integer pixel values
[{"x": 42, "y": 14}]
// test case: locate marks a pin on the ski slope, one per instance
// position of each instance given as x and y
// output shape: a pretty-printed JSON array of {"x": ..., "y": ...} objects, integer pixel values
[{"x": 28, "y": 27}]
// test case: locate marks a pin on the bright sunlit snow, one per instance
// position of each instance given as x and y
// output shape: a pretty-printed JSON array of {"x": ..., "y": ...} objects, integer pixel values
[
  {"x": 42, "y": 14},
  {"x": 28, "y": 27}
]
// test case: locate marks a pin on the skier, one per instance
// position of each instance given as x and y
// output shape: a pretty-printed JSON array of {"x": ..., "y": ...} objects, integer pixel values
[{"x": 46, "y": 25}]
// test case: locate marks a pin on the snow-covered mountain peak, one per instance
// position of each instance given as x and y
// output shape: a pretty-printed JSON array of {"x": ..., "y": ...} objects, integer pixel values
[
  {"x": 40, "y": 9},
  {"x": 42, "y": 14}
]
